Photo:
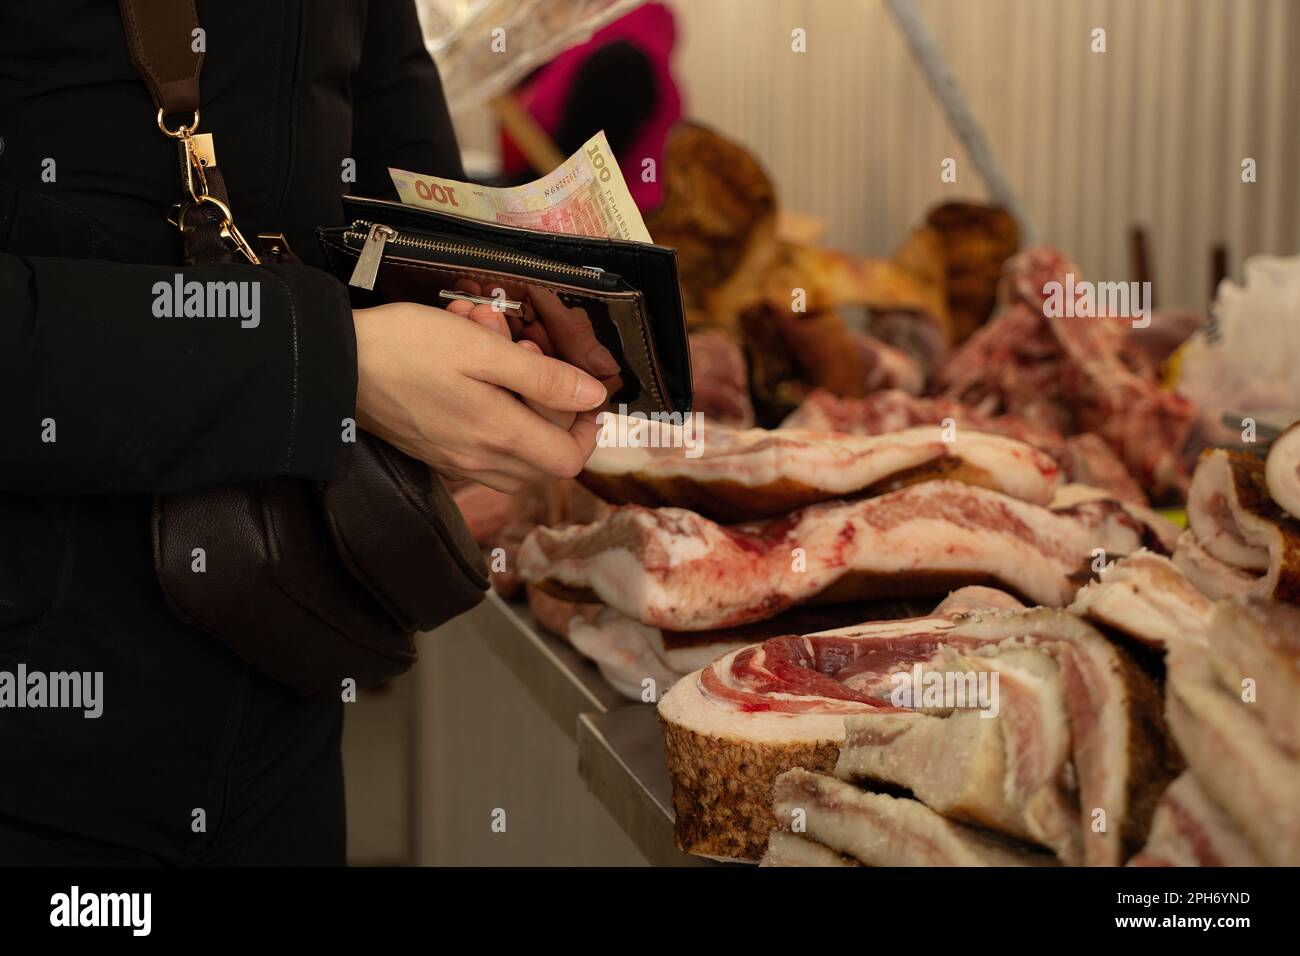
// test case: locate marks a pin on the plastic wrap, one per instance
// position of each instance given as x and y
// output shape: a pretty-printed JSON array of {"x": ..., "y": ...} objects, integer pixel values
[
  {"x": 475, "y": 67},
  {"x": 1246, "y": 362}
]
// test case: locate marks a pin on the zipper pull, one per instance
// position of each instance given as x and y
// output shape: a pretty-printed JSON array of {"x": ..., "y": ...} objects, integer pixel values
[{"x": 367, "y": 267}]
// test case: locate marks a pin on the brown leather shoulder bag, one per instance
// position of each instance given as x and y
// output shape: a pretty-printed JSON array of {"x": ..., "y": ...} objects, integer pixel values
[{"x": 311, "y": 583}]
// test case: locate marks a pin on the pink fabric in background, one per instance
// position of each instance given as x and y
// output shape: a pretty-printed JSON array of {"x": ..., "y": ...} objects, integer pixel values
[{"x": 652, "y": 29}]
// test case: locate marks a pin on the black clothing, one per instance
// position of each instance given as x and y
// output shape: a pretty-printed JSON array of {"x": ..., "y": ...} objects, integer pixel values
[
  {"x": 291, "y": 90},
  {"x": 615, "y": 90}
]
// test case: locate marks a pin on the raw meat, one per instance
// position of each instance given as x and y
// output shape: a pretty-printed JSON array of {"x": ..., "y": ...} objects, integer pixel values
[
  {"x": 556, "y": 614},
  {"x": 1190, "y": 830},
  {"x": 739, "y": 475},
  {"x": 732, "y": 726},
  {"x": 673, "y": 569},
  {"x": 1083, "y": 458},
  {"x": 1236, "y": 522},
  {"x": 1211, "y": 576},
  {"x": 1070, "y": 374},
  {"x": 1259, "y": 640},
  {"x": 881, "y": 830},
  {"x": 1009, "y": 772},
  {"x": 624, "y": 653},
  {"x": 720, "y": 379},
  {"x": 1090, "y": 461},
  {"x": 893, "y": 410},
  {"x": 1236, "y": 762},
  {"x": 1146, "y": 597},
  {"x": 1282, "y": 472},
  {"x": 1164, "y": 531},
  {"x": 500, "y": 522},
  {"x": 1121, "y": 753},
  {"x": 790, "y": 849},
  {"x": 627, "y": 652}
]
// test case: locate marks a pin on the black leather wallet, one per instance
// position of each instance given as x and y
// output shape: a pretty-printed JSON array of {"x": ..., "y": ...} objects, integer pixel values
[{"x": 556, "y": 289}]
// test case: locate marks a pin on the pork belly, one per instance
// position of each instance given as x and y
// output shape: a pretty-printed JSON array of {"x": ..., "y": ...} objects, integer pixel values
[
  {"x": 1146, "y": 597},
  {"x": 1236, "y": 522},
  {"x": 880, "y": 830},
  {"x": 1211, "y": 576},
  {"x": 1235, "y": 761},
  {"x": 1164, "y": 531},
  {"x": 1189, "y": 829},
  {"x": 790, "y": 849},
  {"x": 731, "y": 727},
  {"x": 1282, "y": 471},
  {"x": 1009, "y": 770},
  {"x": 674, "y": 569},
  {"x": 739, "y": 475},
  {"x": 1121, "y": 752},
  {"x": 891, "y": 410},
  {"x": 1259, "y": 640},
  {"x": 1084, "y": 458},
  {"x": 556, "y": 614}
]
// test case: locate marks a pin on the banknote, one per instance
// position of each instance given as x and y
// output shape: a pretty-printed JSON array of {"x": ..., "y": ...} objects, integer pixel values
[{"x": 585, "y": 195}]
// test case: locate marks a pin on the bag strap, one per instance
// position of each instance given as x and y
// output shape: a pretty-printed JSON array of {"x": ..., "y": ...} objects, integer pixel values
[{"x": 163, "y": 39}]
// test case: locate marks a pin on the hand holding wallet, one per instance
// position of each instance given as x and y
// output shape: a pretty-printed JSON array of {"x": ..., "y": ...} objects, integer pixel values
[{"x": 566, "y": 293}]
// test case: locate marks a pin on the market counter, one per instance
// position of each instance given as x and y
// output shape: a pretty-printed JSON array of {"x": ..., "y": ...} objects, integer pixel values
[{"x": 526, "y": 756}]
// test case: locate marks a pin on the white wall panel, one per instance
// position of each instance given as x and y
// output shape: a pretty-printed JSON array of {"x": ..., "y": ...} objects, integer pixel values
[{"x": 1153, "y": 131}]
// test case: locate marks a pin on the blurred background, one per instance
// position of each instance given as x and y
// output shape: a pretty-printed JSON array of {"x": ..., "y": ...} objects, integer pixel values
[{"x": 1151, "y": 132}]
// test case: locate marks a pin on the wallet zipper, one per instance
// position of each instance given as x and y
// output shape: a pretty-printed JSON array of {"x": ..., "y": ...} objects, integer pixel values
[{"x": 375, "y": 236}]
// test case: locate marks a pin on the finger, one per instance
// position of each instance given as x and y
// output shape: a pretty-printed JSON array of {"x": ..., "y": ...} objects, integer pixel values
[
  {"x": 585, "y": 431},
  {"x": 526, "y": 442},
  {"x": 612, "y": 384},
  {"x": 560, "y": 419},
  {"x": 460, "y": 306},
  {"x": 490, "y": 318},
  {"x": 550, "y": 382},
  {"x": 537, "y": 333},
  {"x": 573, "y": 334},
  {"x": 499, "y": 481}
]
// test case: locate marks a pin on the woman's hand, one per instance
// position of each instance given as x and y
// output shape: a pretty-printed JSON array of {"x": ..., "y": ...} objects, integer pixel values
[
  {"x": 558, "y": 330},
  {"x": 492, "y": 318},
  {"x": 440, "y": 389}
]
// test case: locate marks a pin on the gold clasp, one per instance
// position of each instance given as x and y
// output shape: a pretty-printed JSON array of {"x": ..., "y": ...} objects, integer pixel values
[
  {"x": 229, "y": 231},
  {"x": 180, "y": 131},
  {"x": 198, "y": 155}
]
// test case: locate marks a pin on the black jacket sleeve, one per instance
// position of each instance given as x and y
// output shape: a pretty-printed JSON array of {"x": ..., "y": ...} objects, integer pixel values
[
  {"x": 399, "y": 113},
  {"x": 104, "y": 388}
]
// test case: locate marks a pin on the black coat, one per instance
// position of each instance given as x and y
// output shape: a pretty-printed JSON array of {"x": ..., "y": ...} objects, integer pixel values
[{"x": 291, "y": 89}]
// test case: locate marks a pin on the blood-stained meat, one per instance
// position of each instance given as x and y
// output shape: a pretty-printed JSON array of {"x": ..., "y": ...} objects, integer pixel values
[{"x": 673, "y": 569}]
